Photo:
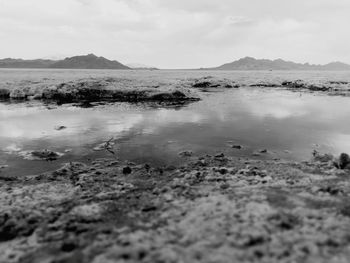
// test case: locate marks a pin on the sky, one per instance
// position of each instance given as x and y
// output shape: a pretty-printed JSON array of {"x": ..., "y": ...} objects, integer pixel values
[{"x": 177, "y": 33}]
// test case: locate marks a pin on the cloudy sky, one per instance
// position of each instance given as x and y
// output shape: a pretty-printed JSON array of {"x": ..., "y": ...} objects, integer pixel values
[{"x": 177, "y": 33}]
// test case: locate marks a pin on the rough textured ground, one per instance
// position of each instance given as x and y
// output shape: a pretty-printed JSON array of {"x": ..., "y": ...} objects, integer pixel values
[
  {"x": 212, "y": 209},
  {"x": 141, "y": 90},
  {"x": 110, "y": 89}
]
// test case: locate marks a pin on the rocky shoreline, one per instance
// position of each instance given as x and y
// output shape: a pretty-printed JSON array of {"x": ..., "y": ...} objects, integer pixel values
[
  {"x": 210, "y": 209},
  {"x": 128, "y": 90}
]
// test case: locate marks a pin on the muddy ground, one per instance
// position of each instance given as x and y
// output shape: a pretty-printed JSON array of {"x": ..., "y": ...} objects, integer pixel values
[{"x": 211, "y": 209}]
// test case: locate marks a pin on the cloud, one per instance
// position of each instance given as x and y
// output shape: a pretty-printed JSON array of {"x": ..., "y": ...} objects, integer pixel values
[{"x": 176, "y": 33}]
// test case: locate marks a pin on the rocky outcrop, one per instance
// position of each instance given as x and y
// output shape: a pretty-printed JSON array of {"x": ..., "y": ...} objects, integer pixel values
[
  {"x": 212, "y": 82},
  {"x": 92, "y": 90},
  {"x": 341, "y": 88}
]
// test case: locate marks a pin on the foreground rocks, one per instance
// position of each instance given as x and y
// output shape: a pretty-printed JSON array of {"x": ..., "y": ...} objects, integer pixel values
[{"x": 211, "y": 209}]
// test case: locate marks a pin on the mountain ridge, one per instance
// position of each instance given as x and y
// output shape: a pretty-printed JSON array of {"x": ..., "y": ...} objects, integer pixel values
[
  {"x": 92, "y": 61},
  {"x": 89, "y": 61},
  {"x": 250, "y": 63}
]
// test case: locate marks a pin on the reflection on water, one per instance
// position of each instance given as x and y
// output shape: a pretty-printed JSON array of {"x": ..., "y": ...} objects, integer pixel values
[{"x": 288, "y": 124}]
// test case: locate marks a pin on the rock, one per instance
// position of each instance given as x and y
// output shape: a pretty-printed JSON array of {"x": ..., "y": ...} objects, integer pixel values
[
  {"x": 323, "y": 158},
  {"x": 237, "y": 146},
  {"x": 211, "y": 82},
  {"x": 224, "y": 186},
  {"x": 186, "y": 153},
  {"x": 297, "y": 84},
  {"x": 41, "y": 155},
  {"x": 201, "y": 84},
  {"x": 92, "y": 90},
  {"x": 259, "y": 152},
  {"x": 223, "y": 171},
  {"x": 265, "y": 85},
  {"x": 84, "y": 105},
  {"x": 149, "y": 208},
  {"x": 338, "y": 82},
  {"x": 4, "y": 93},
  {"x": 18, "y": 94},
  {"x": 44, "y": 154},
  {"x": 344, "y": 161},
  {"x": 127, "y": 170},
  {"x": 59, "y": 128}
]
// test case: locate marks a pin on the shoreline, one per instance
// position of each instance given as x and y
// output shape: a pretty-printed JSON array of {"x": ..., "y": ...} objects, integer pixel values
[{"x": 109, "y": 89}]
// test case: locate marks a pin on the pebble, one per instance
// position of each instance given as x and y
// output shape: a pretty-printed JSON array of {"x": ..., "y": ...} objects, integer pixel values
[{"x": 127, "y": 170}]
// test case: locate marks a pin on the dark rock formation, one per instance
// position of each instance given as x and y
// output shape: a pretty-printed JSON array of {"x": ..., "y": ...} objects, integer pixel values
[
  {"x": 4, "y": 93},
  {"x": 212, "y": 82},
  {"x": 344, "y": 161}
]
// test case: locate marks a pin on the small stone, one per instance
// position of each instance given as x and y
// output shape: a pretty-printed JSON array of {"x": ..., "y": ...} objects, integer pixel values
[
  {"x": 127, "y": 170},
  {"x": 237, "y": 146},
  {"x": 344, "y": 161},
  {"x": 323, "y": 158},
  {"x": 224, "y": 186},
  {"x": 45, "y": 155},
  {"x": 223, "y": 170},
  {"x": 149, "y": 208},
  {"x": 68, "y": 246},
  {"x": 60, "y": 128},
  {"x": 186, "y": 153}
]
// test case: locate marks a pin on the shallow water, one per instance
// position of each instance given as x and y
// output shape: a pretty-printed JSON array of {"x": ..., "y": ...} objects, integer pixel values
[{"x": 288, "y": 124}]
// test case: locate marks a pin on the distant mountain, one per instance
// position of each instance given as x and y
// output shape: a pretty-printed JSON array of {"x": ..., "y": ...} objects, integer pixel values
[
  {"x": 78, "y": 62},
  {"x": 88, "y": 62},
  {"x": 140, "y": 66},
  {"x": 249, "y": 63},
  {"x": 21, "y": 63}
]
